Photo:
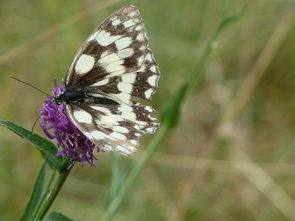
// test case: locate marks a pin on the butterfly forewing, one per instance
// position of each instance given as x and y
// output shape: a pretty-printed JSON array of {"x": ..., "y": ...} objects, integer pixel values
[{"x": 116, "y": 64}]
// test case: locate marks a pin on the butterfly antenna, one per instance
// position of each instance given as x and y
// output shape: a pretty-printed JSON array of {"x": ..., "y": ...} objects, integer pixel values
[
  {"x": 30, "y": 85},
  {"x": 32, "y": 130}
]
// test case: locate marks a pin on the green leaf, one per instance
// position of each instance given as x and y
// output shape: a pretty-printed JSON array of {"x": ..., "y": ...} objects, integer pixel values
[
  {"x": 35, "y": 196},
  {"x": 56, "y": 216},
  {"x": 47, "y": 148}
]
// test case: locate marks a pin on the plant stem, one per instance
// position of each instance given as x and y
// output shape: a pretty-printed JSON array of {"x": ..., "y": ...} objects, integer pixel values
[
  {"x": 116, "y": 177},
  {"x": 52, "y": 176},
  {"x": 52, "y": 194}
]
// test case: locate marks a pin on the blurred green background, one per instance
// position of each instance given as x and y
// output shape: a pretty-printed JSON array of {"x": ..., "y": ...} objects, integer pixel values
[{"x": 232, "y": 155}]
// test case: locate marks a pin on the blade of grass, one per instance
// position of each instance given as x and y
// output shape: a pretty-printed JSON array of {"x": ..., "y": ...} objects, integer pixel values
[{"x": 116, "y": 178}]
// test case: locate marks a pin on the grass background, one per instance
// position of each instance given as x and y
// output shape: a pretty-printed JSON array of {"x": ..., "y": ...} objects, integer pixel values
[{"x": 231, "y": 157}]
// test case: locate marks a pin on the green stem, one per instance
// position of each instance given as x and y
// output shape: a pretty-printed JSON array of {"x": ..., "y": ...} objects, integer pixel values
[
  {"x": 115, "y": 183},
  {"x": 135, "y": 172},
  {"x": 52, "y": 176},
  {"x": 52, "y": 194}
]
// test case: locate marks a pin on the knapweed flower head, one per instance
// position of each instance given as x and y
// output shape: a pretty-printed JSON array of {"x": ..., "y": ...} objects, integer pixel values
[{"x": 56, "y": 125}]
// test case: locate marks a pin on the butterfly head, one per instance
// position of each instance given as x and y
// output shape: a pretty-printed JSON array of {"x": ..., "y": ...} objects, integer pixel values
[{"x": 57, "y": 100}]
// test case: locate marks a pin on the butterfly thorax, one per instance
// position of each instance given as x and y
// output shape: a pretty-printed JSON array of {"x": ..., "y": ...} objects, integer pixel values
[
  {"x": 70, "y": 96},
  {"x": 79, "y": 96}
]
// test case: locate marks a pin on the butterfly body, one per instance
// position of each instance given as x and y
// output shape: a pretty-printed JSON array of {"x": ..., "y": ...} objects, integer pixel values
[
  {"x": 78, "y": 96},
  {"x": 70, "y": 96},
  {"x": 111, "y": 68}
]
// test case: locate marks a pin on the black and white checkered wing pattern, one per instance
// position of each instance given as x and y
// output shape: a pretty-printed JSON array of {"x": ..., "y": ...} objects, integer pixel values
[
  {"x": 114, "y": 127},
  {"x": 115, "y": 63},
  {"x": 116, "y": 52}
]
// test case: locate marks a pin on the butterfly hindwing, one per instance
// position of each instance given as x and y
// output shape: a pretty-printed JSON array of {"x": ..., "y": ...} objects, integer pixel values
[{"x": 114, "y": 127}]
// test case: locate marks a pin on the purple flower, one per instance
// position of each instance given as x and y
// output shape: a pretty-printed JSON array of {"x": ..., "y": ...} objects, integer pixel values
[{"x": 56, "y": 125}]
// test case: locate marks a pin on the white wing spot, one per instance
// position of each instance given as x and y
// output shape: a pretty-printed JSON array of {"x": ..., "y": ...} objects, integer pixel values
[
  {"x": 111, "y": 63},
  {"x": 120, "y": 129},
  {"x": 116, "y": 22},
  {"x": 127, "y": 112},
  {"x": 123, "y": 87},
  {"x": 148, "y": 57},
  {"x": 132, "y": 14},
  {"x": 100, "y": 34},
  {"x": 109, "y": 119},
  {"x": 84, "y": 64},
  {"x": 82, "y": 116},
  {"x": 140, "y": 59},
  {"x": 129, "y": 23},
  {"x": 117, "y": 135},
  {"x": 129, "y": 78},
  {"x": 105, "y": 53},
  {"x": 125, "y": 108},
  {"x": 123, "y": 43},
  {"x": 152, "y": 80},
  {"x": 148, "y": 93},
  {"x": 124, "y": 97},
  {"x": 105, "y": 38},
  {"x": 140, "y": 37},
  {"x": 153, "y": 68},
  {"x": 142, "y": 68},
  {"x": 93, "y": 36},
  {"x": 122, "y": 150},
  {"x": 98, "y": 135},
  {"x": 134, "y": 142},
  {"x": 125, "y": 53},
  {"x": 149, "y": 109},
  {"x": 100, "y": 83},
  {"x": 138, "y": 27},
  {"x": 101, "y": 109},
  {"x": 150, "y": 129}
]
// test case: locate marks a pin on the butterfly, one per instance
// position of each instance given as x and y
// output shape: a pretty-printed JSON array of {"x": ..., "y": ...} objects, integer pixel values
[{"x": 113, "y": 70}]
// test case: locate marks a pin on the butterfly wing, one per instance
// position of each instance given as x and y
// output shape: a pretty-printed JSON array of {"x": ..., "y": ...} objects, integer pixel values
[
  {"x": 115, "y": 63},
  {"x": 113, "y": 127}
]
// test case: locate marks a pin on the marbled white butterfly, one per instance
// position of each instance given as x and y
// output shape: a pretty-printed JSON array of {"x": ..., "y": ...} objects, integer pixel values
[{"x": 111, "y": 69}]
